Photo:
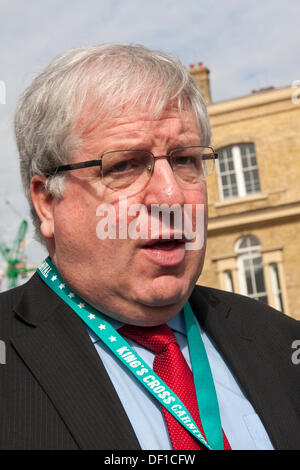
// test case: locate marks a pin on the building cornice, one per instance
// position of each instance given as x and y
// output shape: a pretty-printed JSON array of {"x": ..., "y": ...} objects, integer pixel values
[
  {"x": 250, "y": 101},
  {"x": 254, "y": 217}
]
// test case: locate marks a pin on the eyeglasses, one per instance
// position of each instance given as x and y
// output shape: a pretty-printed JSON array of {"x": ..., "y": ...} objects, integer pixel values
[{"x": 129, "y": 171}]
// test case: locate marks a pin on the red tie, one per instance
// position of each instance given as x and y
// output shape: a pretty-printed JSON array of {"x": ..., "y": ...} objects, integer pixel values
[{"x": 170, "y": 365}]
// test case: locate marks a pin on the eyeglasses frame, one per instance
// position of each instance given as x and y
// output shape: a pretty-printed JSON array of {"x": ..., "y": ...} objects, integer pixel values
[{"x": 91, "y": 163}]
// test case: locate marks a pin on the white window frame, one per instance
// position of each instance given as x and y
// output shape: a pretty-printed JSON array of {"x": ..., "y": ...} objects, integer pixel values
[
  {"x": 250, "y": 252},
  {"x": 276, "y": 287},
  {"x": 238, "y": 171},
  {"x": 271, "y": 255},
  {"x": 228, "y": 280},
  {"x": 274, "y": 256}
]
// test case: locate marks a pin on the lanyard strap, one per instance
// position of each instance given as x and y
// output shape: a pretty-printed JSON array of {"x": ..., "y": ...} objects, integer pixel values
[
  {"x": 204, "y": 383},
  {"x": 98, "y": 323}
]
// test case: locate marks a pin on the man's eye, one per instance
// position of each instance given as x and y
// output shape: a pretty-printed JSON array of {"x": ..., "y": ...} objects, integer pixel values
[
  {"x": 121, "y": 167},
  {"x": 184, "y": 160}
]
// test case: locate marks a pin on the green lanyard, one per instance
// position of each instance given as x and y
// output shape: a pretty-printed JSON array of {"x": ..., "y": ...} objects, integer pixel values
[
  {"x": 205, "y": 390},
  {"x": 204, "y": 383}
]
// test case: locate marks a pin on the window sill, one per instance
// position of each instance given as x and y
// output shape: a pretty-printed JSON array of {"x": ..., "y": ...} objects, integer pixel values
[{"x": 240, "y": 200}]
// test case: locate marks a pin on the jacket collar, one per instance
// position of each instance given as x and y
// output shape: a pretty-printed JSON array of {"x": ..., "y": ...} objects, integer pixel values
[{"x": 37, "y": 303}]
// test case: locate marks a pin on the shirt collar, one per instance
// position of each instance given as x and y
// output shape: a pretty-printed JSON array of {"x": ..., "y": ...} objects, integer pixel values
[{"x": 177, "y": 323}]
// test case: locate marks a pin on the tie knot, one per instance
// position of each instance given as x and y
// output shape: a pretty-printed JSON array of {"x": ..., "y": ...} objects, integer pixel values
[{"x": 155, "y": 338}]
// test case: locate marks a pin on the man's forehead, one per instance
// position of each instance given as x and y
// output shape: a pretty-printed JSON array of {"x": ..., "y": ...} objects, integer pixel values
[{"x": 134, "y": 123}]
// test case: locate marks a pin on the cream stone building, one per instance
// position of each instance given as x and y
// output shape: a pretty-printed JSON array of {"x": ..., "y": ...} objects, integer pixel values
[{"x": 254, "y": 196}]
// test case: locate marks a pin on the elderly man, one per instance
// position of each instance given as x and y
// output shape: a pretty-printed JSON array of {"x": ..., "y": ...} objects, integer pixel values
[{"x": 110, "y": 345}]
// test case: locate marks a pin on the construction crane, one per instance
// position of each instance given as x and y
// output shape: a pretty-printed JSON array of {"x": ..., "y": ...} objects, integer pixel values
[{"x": 14, "y": 256}]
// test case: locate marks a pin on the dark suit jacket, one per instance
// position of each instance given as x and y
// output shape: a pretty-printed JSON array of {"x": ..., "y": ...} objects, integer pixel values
[{"x": 56, "y": 394}]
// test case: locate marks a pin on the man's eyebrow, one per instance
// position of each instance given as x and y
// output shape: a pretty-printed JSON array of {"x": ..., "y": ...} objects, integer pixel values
[
  {"x": 186, "y": 143},
  {"x": 131, "y": 142}
]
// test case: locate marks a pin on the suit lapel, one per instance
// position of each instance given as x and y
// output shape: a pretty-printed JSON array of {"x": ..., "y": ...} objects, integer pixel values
[
  {"x": 57, "y": 349},
  {"x": 234, "y": 335}
]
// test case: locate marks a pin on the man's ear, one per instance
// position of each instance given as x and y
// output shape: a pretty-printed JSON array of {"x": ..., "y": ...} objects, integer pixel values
[{"x": 43, "y": 204}]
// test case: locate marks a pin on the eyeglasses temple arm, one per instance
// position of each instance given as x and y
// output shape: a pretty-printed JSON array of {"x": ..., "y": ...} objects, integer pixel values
[
  {"x": 73, "y": 166},
  {"x": 211, "y": 156}
]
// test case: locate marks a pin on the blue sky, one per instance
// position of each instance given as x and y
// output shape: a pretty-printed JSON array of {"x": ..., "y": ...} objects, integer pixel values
[{"x": 245, "y": 44}]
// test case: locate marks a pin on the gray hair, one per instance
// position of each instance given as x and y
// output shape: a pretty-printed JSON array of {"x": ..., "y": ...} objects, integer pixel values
[{"x": 95, "y": 82}]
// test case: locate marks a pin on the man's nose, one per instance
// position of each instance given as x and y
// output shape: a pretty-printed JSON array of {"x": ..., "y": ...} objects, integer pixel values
[{"x": 163, "y": 187}]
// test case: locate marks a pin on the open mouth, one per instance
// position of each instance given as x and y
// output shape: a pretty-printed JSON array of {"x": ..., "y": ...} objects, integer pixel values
[
  {"x": 164, "y": 244},
  {"x": 165, "y": 252}
]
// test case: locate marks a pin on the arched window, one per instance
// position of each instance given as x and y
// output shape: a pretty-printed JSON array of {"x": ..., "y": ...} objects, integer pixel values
[
  {"x": 238, "y": 171},
  {"x": 254, "y": 270},
  {"x": 250, "y": 268}
]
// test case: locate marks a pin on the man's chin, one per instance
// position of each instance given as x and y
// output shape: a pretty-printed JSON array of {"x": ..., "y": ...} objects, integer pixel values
[
  {"x": 165, "y": 292},
  {"x": 155, "y": 313}
]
